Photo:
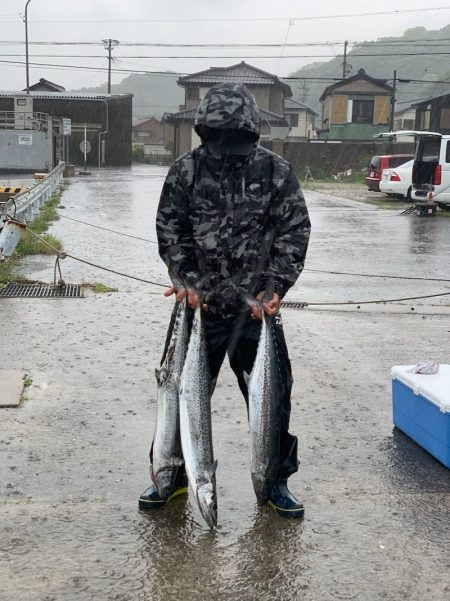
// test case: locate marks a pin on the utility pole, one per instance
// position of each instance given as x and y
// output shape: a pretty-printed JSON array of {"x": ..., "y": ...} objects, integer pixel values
[
  {"x": 26, "y": 46},
  {"x": 394, "y": 90},
  {"x": 344, "y": 64},
  {"x": 109, "y": 45}
]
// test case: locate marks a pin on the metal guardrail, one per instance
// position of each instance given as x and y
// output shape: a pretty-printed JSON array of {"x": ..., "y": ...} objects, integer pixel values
[
  {"x": 26, "y": 206},
  {"x": 24, "y": 121}
]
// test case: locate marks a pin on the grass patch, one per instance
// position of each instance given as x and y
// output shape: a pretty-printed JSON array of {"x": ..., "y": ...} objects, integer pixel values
[
  {"x": 27, "y": 381},
  {"x": 30, "y": 245},
  {"x": 100, "y": 288}
]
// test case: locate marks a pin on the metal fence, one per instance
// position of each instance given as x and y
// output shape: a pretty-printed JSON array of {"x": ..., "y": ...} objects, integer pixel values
[
  {"x": 20, "y": 120},
  {"x": 26, "y": 206}
]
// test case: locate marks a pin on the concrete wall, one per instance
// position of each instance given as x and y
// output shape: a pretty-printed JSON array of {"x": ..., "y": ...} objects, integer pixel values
[
  {"x": 36, "y": 156},
  {"x": 327, "y": 158}
]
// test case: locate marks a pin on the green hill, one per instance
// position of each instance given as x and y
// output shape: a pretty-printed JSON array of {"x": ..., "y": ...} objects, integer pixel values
[
  {"x": 153, "y": 94},
  {"x": 156, "y": 94},
  {"x": 380, "y": 59}
]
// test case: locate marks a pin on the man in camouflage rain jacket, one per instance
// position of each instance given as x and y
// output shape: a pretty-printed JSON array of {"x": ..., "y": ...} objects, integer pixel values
[{"x": 232, "y": 211}]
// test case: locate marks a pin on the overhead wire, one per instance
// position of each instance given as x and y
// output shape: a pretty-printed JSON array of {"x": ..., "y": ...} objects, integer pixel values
[
  {"x": 348, "y": 273},
  {"x": 247, "y": 19}
]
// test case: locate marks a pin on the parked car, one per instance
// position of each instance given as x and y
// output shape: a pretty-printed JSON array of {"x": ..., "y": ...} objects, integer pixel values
[
  {"x": 398, "y": 181},
  {"x": 431, "y": 171},
  {"x": 431, "y": 168},
  {"x": 380, "y": 162}
]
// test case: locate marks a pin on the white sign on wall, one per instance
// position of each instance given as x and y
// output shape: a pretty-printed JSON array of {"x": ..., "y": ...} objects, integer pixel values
[
  {"x": 26, "y": 139},
  {"x": 67, "y": 126}
]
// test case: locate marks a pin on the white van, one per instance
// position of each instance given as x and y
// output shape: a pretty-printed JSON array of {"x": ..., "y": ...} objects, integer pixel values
[{"x": 431, "y": 169}]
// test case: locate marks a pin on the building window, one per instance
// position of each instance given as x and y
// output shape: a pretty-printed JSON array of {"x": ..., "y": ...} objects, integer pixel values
[
  {"x": 292, "y": 119},
  {"x": 193, "y": 94},
  {"x": 362, "y": 111}
]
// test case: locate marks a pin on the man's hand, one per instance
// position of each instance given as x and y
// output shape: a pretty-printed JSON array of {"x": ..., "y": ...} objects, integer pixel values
[
  {"x": 192, "y": 297},
  {"x": 271, "y": 308}
]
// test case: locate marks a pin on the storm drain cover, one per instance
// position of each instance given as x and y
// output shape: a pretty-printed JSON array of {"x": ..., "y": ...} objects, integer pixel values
[{"x": 12, "y": 290}]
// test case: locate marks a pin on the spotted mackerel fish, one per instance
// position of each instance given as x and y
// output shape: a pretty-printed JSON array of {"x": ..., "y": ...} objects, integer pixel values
[
  {"x": 167, "y": 456},
  {"x": 264, "y": 410},
  {"x": 195, "y": 422}
]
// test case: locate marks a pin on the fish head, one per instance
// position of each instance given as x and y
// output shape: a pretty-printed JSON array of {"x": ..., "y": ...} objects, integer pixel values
[
  {"x": 261, "y": 488},
  {"x": 163, "y": 480},
  {"x": 207, "y": 502}
]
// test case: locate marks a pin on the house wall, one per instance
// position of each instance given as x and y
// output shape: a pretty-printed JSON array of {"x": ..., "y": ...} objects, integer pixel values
[
  {"x": 326, "y": 111},
  {"x": 184, "y": 140},
  {"x": 354, "y": 131},
  {"x": 304, "y": 128},
  {"x": 267, "y": 97},
  {"x": 360, "y": 86},
  {"x": 276, "y": 100},
  {"x": 405, "y": 120},
  {"x": 148, "y": 133},
  {"x": 340, "y": 125}
]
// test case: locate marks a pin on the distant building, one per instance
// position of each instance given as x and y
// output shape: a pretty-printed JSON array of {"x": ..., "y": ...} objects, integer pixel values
[
  {"x": 433, "y": 114},
  {"x": 147, "y": 131},
  {"x": 301, "y": 120},
  {"x": 153, "y": 136},
  {"x": 44, "y": 85},
  {"x": 404, "y": 116},
  {"x": 270, "y": 93},
  {"x": 105, "y": 117},
  {"x": 355, "y": 108}
]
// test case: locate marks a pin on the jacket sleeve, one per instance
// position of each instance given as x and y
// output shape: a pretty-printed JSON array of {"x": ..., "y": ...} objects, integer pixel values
[
  {"x": 174, "y": 230},
  {"x": 290, "y": 225}
]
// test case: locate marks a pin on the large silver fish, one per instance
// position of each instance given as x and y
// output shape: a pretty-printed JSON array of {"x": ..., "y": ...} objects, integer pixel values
[
  {"x": 264, "y": 412},
  {"x": 167, "y": 455},
  {"x": 195, "y": 422}
]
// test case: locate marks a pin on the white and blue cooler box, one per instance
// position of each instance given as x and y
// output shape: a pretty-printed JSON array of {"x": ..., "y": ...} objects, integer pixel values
[{"x": 421, "y": 408}]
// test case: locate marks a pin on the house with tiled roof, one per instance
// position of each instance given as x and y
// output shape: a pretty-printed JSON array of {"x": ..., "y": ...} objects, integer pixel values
[
  {"x": 301, "y": 120},
  {"x": 270, "y": 93},
  {"x": 44, "y": 85},
  {"x": 355, "y": 108}
]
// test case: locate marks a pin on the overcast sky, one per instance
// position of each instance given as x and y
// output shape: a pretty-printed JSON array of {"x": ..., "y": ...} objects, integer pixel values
[{"x": 136, "y": 21}]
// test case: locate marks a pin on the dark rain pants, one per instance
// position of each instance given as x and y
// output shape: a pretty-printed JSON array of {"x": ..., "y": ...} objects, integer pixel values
[{"x": 239, "y": 337}]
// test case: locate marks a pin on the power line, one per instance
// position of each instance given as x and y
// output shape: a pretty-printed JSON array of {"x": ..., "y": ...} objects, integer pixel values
[
  {"x": 145, "y": 72},
  {"x": 56, "y": 67},
  {"x": 236, "y": 45},
  {"x": 248, "y": 56},
  {"x": 247, "y": 19}
]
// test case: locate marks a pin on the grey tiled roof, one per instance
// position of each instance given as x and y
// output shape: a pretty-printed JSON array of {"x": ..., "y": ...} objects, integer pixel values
[
  {"x": 289, "y": 103},
  {"x": 239, "y": 73}
]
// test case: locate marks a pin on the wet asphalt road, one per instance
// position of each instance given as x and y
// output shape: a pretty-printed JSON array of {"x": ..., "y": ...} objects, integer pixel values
[{"x": 74, "y": 456}]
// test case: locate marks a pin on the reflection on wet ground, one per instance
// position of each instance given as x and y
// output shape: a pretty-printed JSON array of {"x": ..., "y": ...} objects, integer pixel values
[{"x": 74, "y": 456}]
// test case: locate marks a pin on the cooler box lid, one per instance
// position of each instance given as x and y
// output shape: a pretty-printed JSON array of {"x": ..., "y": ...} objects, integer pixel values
[{"x": 434, "y": 387}]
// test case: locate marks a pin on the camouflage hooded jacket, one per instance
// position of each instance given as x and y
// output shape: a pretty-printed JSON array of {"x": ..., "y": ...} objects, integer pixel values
[{"x": 231, "y": 217}]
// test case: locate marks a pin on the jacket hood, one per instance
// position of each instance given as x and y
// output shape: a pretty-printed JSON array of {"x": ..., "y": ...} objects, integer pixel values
[{"x": 228, "y": 106}]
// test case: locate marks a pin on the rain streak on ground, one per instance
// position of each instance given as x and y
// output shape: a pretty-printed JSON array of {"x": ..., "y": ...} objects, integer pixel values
[{"x": 74, "y": 456}]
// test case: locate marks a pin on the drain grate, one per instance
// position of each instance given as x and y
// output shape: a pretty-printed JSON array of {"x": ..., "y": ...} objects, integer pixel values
[{"x": 40, "y": 291}]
